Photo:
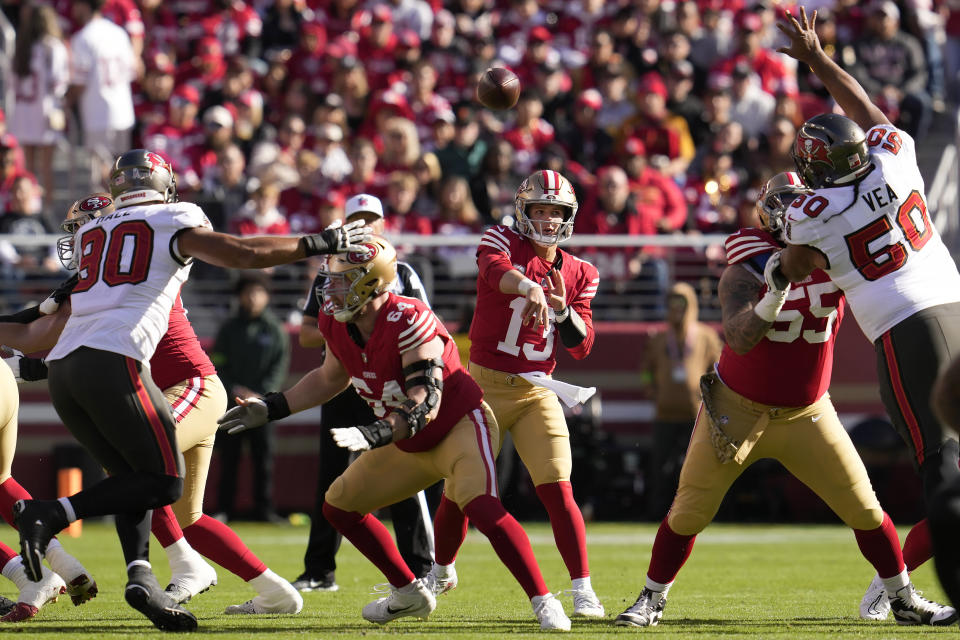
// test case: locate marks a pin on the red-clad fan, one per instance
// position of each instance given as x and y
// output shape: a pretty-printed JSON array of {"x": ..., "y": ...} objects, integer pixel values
[
  {"x": 151, "y": 103},
  {"x": 423, "y": 99},
  {"x": 774, "y": 75},
  {"x": 259, "y": 215},
  {"x": 365, "y": 177},
  {"x": 309, "y": 61},
  {"x": 205, "y": 66},
  {"x": 378, "y": 45},
  {"x": 160, "y": 26},
  {"x": 530, "y": 133},
  {"x": 180, "y": 131},
  {"x": 233, "y": 23},
  {"x": 446, "y": 57}
]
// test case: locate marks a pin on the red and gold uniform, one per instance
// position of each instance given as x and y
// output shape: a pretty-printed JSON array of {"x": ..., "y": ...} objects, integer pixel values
[
  {"x": 775, "y": 398},
  {"x": 386, "y": 475}
]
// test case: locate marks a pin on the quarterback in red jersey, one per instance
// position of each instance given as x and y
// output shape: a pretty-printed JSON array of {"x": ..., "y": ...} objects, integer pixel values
[
  {"x": 433, "y": 424},
  {"x": 529, "y": 292},
  {"x": 756, "y": 407}
]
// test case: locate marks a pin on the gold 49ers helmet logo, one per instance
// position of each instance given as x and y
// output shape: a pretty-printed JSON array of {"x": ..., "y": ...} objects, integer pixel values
[
  {"x": 813, "y": 149},
  {"x": 95, "y": 203},
  {"x": 363, "y": 253}
]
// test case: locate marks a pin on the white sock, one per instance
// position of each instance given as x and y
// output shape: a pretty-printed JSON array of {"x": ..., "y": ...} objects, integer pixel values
[
  {"x": 58, "y": 558},
  {"x": 582, "y": 584},
  {"x": 266, "y": 581},
  {"x": 658, "y": 586},
  {"x": 139, "y": 563},
  {"x": 897, "y": 582},
  {"x": 14, "y": 571},
  {"x": 442, "y": 570},
  {"x": 68, "y": 509},
  {"x": 179, "y": 551}
]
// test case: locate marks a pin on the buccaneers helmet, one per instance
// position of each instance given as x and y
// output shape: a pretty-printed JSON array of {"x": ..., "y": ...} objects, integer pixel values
[
  {"x": 830, "y": 151},
  {"x": 546, "y": 187},
  {"x": 356, "y": 277},
  {"x": 142, "y": 177},
  {"x": 775, "y": 196},
  {"x": 81, "y": 212}
]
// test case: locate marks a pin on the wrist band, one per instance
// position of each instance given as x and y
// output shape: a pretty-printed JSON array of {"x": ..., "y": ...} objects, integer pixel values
[
  {"x": 525, "y": 285},
  {"x": 562, "y": 315}
]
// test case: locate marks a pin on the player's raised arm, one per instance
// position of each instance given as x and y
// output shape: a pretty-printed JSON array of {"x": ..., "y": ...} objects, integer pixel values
[
  {"x": 257, "y": 252},
  {"x": 805, "y": 47}
]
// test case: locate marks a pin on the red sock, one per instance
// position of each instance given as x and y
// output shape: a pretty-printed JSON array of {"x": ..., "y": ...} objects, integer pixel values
[
  {"x": 218, "y": 542},
  {"x": 373, "y": 540},
  {"x": 510, "y": 542},
  {"x": 165, "y": 527},
  {"x": 881, "y": 548},
  {"x": 670, "y": 552},
  {"x": 10, "y": 492},
  {"x": 568, "y": 529},
  {"x": 917, "y": 548},
  {"x": 449, "y": 530},
  {"x": 6, "y": 555}
]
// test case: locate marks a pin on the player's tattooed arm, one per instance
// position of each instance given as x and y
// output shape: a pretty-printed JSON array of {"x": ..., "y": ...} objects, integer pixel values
[{"x": 739, "y": 292}]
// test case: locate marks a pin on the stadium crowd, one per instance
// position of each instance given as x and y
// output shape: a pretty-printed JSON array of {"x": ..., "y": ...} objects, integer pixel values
[{"x": 667, "y": 116}]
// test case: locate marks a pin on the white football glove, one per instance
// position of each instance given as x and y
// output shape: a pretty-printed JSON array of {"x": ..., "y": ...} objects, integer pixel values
[
  {"x": 773, "y": 276},
  {"x": 249, "y": 415},
  {"x": 14, "y": 364},
  {"x": 352, "y": 234},
  {"x": 350, "y": 438}
]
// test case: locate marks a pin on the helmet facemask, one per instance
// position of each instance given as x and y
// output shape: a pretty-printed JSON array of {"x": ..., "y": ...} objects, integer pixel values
[
  {"x": 775, "y": 196},
  {"x": 354, "y": 278},
  {"x": 80, "y": 213},
  {"x": 546, "y": 188}
]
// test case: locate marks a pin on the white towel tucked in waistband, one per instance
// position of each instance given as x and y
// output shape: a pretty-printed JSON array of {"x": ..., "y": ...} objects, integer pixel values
[{"x": 570, "y": 394}]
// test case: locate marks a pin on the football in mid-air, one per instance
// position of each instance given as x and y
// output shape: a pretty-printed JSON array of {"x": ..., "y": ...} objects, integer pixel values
[{"x": 498, "y": 88}]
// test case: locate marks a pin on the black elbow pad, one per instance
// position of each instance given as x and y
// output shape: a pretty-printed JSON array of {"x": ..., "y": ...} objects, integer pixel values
[{"x": 573, "y": 330}]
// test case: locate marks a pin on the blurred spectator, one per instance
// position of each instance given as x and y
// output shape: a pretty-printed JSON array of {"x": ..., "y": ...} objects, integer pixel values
[
  {"x": 447, "y": 54},
  {"x": 412, "y": 15},
  {"x": 779, "y": 146},
  {"x": 259, "y": 215},
  {"x": 102, "y": 66},
  {"x": 429, "y": 174},
  {"x": 22, "y": 216},
  {"x": 752, "y": 107},
  {"x": 659, "y": 199},
  {"x": 378, "y": 44},
  {"x": 365, "y": 177},
  {"x": 277, "y": 158},
  {"x": 282, "y": 25},
  {"x": 299, "y": 203},
  {"x": 249, "y": 128},
  {"x": 665, "y": 135},
  {"x": 682, "y": 101},
  {"x": 402, "y": 189},
  {"x": 224, "y": 187},
  {"x": 713, "y": 193},
  {"x": 749, "y": 49},
  {"x": 401, "y": 145},
  {"x": 674, "y": 360},
  {"x": 494, "y": 189},
  {"x": 350, "y": 82},
  {"x": 424, "y": 102},
  {"x": 235, "y": 24},
  {"x": 601, "y": 54},
  {"x": 151, "y": 104},
  {"x": 160, "y": 26},
  {"x": 180, "y": 132},
  {"x": 335, "y": 166},
  {"x": 617, "y": 107},
  {"x": 611, "y": 208},
  {"x": 252, "y": 353},
  {"x": 329, "y": 110},
  {"x": 309, "y": 60},
  {"x": 40, "y": 83},
  {"x": 463, "y": 154},
  {"x": 891, "y": 67},
  {"x": 709, "y": 34},
  {"x": 11, "y": 167},
  {"x": 442, "y": 131},
  {"x": 583, "y": 138},
  {"x": 238, "y": 78},
  {"x": 530, "y": 133},
  {"x": 206, "y": 67},
  {"x": 457, "y": 216},
  {"x": 553, "y": 83}
]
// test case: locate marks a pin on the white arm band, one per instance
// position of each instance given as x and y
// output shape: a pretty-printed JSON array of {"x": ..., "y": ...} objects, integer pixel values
[
  {"x": 525, "y": 285},
  {"x": 770, "y": 304}
]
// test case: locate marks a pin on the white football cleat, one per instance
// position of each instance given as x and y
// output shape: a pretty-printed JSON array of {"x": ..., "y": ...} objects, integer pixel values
[
  {"x": 281, "y": 598},
  {"x": 910, "y": 608},
  {"x": 34, "y": 595},
  {"x": 413, "y": 600},
  {"x": 875, "y": 604},
  {"x": 81, "y": 587},
  {"x": 440, "y": 579},
  {"x": 645, "y": 612},
  {"x": 586, "y": 604},
  {"x": 190, "y": 577},
  {"x": 550, "y": 613}
]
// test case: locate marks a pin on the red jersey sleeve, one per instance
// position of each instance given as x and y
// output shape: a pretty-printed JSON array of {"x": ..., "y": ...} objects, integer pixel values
[
  {"x": 493, "y": 256},
  {"x": 421, "y": 327},
  {"x": 579, "y": 301},
  {"x": 747, "y": 244}
]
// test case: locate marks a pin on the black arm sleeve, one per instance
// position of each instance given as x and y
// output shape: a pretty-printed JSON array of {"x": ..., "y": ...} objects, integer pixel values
[
  {"x": 572, "y": 331},
  {"x": 24, "y": 316}
]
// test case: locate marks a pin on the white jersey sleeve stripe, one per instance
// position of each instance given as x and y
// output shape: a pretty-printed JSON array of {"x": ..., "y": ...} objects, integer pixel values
[
  {"x": 493, "y": 245},
  {"x": 419, "y": 321},
  {"x": 425, "y": 334}
]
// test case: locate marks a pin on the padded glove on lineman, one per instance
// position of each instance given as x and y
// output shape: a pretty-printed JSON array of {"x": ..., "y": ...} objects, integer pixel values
[
  {"x": 253, "y": 413},
  {"x": 773, "y": 276},
  {"x": 339, "y": 239},
  {"x": 363, "y": 437},
  {"x": 26, "y": 369}
]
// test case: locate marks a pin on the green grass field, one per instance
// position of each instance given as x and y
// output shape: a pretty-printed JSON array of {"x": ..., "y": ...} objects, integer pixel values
[{"x": 741, "y": 582}]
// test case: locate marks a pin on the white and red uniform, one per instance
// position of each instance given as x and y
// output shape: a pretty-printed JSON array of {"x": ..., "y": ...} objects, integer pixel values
[
  {"x": 803, "y": 336},
  {"x": 498, "y": 339},
  {"x": 376, "y": 369}
]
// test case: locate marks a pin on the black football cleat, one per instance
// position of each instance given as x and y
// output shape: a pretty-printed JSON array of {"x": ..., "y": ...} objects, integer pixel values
[
  {"x": 38, "y": 521},
  {"x": 144, "y": 594}
]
